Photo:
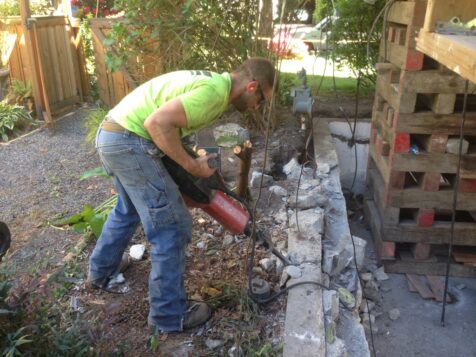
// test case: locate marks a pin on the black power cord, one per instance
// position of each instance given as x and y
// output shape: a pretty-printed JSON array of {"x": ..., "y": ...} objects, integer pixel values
[{"x": 455, "y": 200}]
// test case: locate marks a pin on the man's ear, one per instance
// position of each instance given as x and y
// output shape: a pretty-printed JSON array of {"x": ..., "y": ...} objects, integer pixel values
[{"x": 252, "y": 86}]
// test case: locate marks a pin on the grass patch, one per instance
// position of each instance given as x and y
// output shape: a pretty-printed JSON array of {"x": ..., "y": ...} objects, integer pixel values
[{"x": 344, "y": 86}]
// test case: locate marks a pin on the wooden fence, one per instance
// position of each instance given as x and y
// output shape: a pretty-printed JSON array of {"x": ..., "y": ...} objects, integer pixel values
[
  {"x": 113, "y": 86},
  {"x": 58, "y": 63}
]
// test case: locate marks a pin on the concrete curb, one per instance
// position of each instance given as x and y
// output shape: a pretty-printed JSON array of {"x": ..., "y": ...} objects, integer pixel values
[{"x": 305, "y": 328}]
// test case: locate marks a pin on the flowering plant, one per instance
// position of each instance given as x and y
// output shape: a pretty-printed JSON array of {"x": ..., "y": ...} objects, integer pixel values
[{"x": 93, "y": 8}]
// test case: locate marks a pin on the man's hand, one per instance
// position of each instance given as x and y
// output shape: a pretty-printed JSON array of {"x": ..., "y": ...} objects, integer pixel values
[{"x": 201, "y": 167}]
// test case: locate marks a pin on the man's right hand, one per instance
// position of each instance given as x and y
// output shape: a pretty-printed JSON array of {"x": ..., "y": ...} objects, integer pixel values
[{"x": 200, "y": 167}]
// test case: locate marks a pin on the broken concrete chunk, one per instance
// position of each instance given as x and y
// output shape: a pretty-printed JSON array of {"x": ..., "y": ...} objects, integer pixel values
[
  {"x": 256, "y": 180},
  {"x": 227, "y": 241},
  {"x": 230, "y": 135},
  {"x": 394, "y": 314},
  {"x": 293, "y": 170},
  {"x": 460, "y": 286},
  {"x": 323, "y": 168},
  {"x": 278, "y": 190},
  {"x": 330, "y": 302},
  {"x": 380, "y": 274},
  {"x": 336, "y": 349},
  {"x": 360, "y": 245},
  {"x": 293, "y": 271},
  {"x": 137, "y": 251},
  {"x": 366, "y": 306},
  {"x": 366, "y": 276},
  {"x": 267, "y": 264},
  {"x": 346, "y": 298},
  {"x": 310, "y": 221},
  {"x": 371, "y": 291},
  {"x": 202, "y": 245},
  {"x": 212, "y": 344},
  {"x": 330, "y": 330}
]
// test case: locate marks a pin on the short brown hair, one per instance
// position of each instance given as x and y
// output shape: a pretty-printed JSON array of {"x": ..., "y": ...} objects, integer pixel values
[{"x": 259, "y": 69}]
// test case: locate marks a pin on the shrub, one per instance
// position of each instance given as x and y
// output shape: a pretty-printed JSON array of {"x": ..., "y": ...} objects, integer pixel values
[{"x": 12, "y": 117}]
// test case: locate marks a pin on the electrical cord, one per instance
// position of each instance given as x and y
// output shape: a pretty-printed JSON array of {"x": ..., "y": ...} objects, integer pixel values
[{"x": 455, "y": 200}]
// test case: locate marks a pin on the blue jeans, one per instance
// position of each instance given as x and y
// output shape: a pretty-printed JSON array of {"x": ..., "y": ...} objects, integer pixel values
[{"x": 147, "y": 194}]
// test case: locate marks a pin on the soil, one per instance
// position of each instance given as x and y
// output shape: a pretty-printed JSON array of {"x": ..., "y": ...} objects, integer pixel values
[{"x": 41, "y": 183}]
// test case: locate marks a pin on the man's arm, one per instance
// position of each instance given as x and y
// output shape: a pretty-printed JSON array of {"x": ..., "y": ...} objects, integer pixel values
[{"x": 163, "y": 125}]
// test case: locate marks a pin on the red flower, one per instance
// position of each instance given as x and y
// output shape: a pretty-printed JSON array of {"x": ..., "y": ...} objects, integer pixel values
[
  {"x": 87, "y": 9},
  {"x": 107, "y": 12}
]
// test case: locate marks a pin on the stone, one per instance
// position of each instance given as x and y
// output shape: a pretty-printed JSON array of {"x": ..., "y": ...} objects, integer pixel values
[
  {"x": 229, "y": 135},
  {"x": 284, "y": 279},
  {"x": 235, "y": 352},
  {"x": 267, "y": 264},
  {"x": 380, "y": 274},
  {"x": 330, "y": 330},
  {"x": 371, "y": 291},
  {"x": 360, "y": 245},
  {"x": 137, "y": 251},
  {"x": 293, "y": 271},
  {"x": 460, "y": 286},
  {"x": 323, "y": 168},
  {"x": 346, "y": 298},
  {"x": 335, "y": 260},
  {"x": 256, "y": 180},
  {"x": 366, "y": 276},
  {"x": 336, "y": 349},
  {"x": 394, "y": 314},
  {"x": 366, "y": 306},
  {"x": 201, "y": 245},
  {"x": 213, "y": 344},
  {"x": 278, "y": 190},
  {"x": 293, "y": 170},
  {"x": 330, "y": 302},
  {"x": 227, "y": 241},
  {"x": 311, "y": 221}
]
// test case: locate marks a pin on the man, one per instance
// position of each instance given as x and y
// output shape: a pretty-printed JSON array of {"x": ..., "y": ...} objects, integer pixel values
[{"x": 148, "y": 123}]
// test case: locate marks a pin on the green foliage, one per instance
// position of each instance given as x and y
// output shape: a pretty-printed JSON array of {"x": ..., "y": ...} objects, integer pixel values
[
  {"x": 93, "y": 8},
  {"x": 12, "y": 8},
  {"x": 12, "y": 117},
  {"x": 320, "y": 10},
  {"x": 12, "y": 343},
  {"x": 286, "y": 82},
  {"x": 97, "y": 172},
  {"x": 213, "y": 35},
  {"x": 89, "y": 219},
  {"x": 92, "y": 122},
  {"x": 350, "y": 34},
  {"x": 20, "y": 91},
  {"x": 90, "y": 60}
]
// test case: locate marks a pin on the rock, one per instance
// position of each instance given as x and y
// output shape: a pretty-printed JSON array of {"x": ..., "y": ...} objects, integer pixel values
[
  {"x": 336, "y": 349},
  {"x": 323, "y": 168},
  {"x": 293, "y": 271},
  {"x": 394, "y": 314},
  {"x": 363, "y": 306},
  {"x": 293, "y": 170},
  {"x": 330, "y": 302},
  {"x": 137, "y": 251},
  {"x": 278, "y": 190},
  {"x": 310, "y": 221},
  {"x": 346, "y": 298},
  {"x": 213, "y": 344},
  {"x": 235, "y": 352},
  {"x": 227, "y": 241},
  {"x": 371, "y": 291},
  {"x": 256, "y": 180},
  {"x": 304, "y": 201},
  {"x": 230, "y": 135},
  {"x": 360, "y": 245},
  {"x": 380, "y": 274},
  {"x": 202, "y": 245},
  {"x": 267, "y": 264},
  {"x": 366, "y": 276},
  {"x": 460, "y": 286}
]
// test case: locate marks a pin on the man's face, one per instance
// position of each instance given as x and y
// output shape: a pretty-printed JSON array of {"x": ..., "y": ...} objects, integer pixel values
[{"x": 253, "y": 98}]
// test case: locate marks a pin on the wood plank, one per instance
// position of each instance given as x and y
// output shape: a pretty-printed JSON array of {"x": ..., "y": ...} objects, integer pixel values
[
  {"x": 464, "y": 257},
  {"x": 71, "y": 69},
  {"x": 401, "y": 12},
  {"x": 430, "y": 123},
  {"x": 445, "y": 10},
  {"x": 428, "y": 268},
  {"x": 389, "y": 215},
  {"x": 385, "y": 250},
  {"x": 458, "y": 53},
  {"x": 401, "y": 56},
  {"x": 438, "y": 233},
  {"x": 417, "y": 198},
  {"x": 411, "y": 287},
  {"x": 437, "y": 285},
  {"x": 433, "y": 81},
  {"x": 54, "y": 73},
  {"x": 419, "y": 283}
]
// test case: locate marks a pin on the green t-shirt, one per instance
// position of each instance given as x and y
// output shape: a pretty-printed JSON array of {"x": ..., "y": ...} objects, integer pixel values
[{"x": 204, "y": 96}]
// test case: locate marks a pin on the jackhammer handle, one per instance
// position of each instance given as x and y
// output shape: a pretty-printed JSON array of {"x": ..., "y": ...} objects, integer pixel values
[{"x": 213, "y": 163}]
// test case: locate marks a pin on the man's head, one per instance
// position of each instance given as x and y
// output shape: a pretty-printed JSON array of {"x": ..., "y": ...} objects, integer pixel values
[{"x": 252, "y": 84}]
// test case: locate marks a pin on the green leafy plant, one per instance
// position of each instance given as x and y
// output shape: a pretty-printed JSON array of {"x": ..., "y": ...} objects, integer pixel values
[
  {"x": 21, "y": 93},
  {"x": 89, "y": 218},
  {"x": 12, "y": 117},
  {"x": 13, "y": 341}
]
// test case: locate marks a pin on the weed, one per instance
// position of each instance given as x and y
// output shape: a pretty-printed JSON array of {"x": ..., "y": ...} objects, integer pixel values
[
  {"x": 12, "y": 117},
  {"x": 92, "y": 122}
]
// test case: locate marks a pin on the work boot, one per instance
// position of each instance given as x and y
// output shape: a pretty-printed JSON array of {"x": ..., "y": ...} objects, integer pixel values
[
  {"x": 125, "y": 263},
  {"x": 196, "y": 314}
]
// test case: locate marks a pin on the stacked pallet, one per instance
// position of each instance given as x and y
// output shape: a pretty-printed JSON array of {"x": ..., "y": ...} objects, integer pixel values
[{"x": 411, "y": 174}]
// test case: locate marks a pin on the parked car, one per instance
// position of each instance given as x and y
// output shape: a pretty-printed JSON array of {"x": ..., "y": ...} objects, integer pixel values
[{"x": 294, "y": 40}]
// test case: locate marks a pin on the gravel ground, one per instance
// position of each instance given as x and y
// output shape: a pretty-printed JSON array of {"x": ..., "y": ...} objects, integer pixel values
[{"x": 40, "y": 182}]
